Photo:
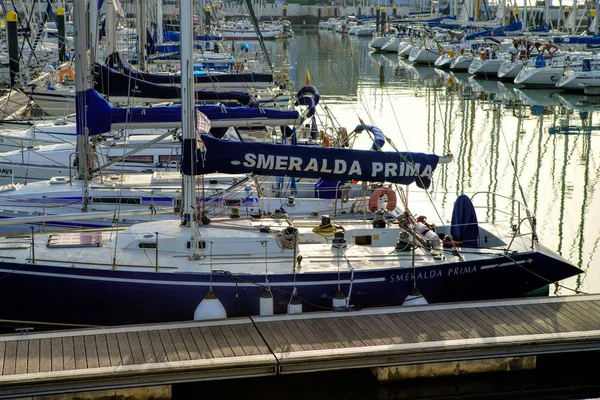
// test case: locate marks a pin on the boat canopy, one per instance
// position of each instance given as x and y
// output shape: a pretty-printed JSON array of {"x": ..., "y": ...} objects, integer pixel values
[
  {"x": 501, "y": 31},
  {"x": 102, "y": 117},
  {"x": 113, "y": 83},
  {"x": 464, "y": 222},
  {"x": 576, "y": 40},
  {"x": 334, "y": 164},
  {"x": 119, "y": 63}
]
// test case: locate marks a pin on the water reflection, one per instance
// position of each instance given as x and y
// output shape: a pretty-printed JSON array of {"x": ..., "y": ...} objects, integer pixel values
[
  {"x": 505, "y": 139},
  {"x": 551, "y": 380}
]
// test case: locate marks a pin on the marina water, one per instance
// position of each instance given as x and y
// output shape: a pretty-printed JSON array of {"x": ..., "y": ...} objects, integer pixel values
[{"x": 503, "y": 138}]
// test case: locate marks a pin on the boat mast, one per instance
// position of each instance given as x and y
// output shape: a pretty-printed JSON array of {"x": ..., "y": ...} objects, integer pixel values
[
  {"x": 141, "y": 33},
  {"x": 159, "y": 22},
  {"x": 111, "y": 26},
  {"x": 81, "y": 85},
  {"x": 258, "y": 33},
  {"x": 596, "y": 16},
  {"x": 93, "y": 30},
  {"x": 187, "y": 112},
  {"x": 525, "y": 16}
]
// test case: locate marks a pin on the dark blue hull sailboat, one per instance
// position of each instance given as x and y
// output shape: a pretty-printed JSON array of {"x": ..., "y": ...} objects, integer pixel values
[
  {"x": 162, "y": 271},
  {"x": 198, "y": 268},
  {"x": 99, "y": 295}
]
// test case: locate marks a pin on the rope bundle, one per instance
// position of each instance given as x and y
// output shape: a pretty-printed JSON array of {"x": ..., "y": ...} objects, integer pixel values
[{"x": 288, "y": 238}]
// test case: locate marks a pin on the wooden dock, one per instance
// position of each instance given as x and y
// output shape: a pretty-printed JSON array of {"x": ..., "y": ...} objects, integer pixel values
[{"x": 132, "y": 356}]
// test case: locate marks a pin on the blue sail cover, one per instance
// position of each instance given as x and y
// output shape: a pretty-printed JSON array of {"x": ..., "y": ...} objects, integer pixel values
[
  {"x": 100, "y": 115},
  {"x": 542, "y": 28},
  {"x": 589, "y": 40},
  {"x": 464, "y": 222},
  {"x": 118, "y": 63},
  {"x": 170, "y": 36},
  {"x": 501, "y": 31},
  {"x": 110, "y": 82},
  {"x": 325, "y": 189},
  {"x": 308, "y": 161}
]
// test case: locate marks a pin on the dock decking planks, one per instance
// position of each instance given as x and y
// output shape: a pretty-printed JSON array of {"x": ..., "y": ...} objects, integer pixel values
[{"x": 302, "y": 342}]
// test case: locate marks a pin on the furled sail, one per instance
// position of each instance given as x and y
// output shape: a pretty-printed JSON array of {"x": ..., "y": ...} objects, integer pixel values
[
  {"x": 501, "y": 31},
  {"x": 112, "y": 83},
  {"x": 120, "y": 64},
  {"x": 309, "y": 161},
  {"x": 102, "y": 117}
]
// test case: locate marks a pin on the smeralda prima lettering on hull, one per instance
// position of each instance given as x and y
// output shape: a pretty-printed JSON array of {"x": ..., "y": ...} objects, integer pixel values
[
  {"x": 410, "y": 276},
  {"x": 336, "y": 166},
  {"x": 6, "y": 171}
]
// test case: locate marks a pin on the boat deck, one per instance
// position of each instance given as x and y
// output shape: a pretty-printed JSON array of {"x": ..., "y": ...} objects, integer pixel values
[{"x": 137, "y": 355}]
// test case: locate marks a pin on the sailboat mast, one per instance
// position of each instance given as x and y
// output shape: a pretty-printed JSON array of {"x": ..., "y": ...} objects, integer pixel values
[
  {"x": 596, "y": 16},
  {"x": 81, "y": 83},
  {"x": 141, "y": 32},
  {"x": 188, "y": 106},
  {"x": 258, "y": 33},
  {"x": 159, "y": 22},
  {"x": 93, "y": 30},
  {"x": 525, "y": 25},
  {"x": 111, "y": 27}
]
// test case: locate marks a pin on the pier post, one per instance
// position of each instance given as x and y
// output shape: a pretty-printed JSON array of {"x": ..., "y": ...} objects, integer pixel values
[
  {"x": 284, "y": 10},
  {"x": 359, "y": 10},
  {"x": 378, "y": 20},
  {"x": 372, "y": 10},
  {"x": 60, "y": 24},
  {"x": 394, "y": 10},
  {"x": 13, "y": 46},
  {"x": 383, "y": 18}
]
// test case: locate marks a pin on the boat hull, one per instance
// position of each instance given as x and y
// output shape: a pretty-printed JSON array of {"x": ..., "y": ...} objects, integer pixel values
[{"x": 103, "y": 296}]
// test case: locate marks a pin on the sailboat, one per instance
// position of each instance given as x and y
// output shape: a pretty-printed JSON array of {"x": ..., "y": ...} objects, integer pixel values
[{"x": 196, "y": 267}]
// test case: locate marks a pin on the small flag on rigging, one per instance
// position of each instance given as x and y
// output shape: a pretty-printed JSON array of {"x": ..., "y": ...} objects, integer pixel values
[
  {"x": 307, "y": 77},
  {"x": 202, "y": 126}
]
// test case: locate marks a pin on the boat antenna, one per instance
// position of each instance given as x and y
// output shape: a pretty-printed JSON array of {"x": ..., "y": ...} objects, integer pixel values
[{"x": 260, "y": 37}]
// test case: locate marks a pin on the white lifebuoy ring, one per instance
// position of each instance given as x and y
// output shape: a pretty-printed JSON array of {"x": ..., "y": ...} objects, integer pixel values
[{"x": 377, "y": 194}]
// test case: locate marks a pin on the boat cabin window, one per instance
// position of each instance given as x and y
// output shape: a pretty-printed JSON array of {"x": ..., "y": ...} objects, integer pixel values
[
  {"x": 147, "y": 245},
  {"x": 117, "y": 200},
  {"x": 168, "y": 158},
  {"x": 148, "y": 159},
  {"x": 366, "y": 240},
  {"x": 75, "y": 239},
  {"x": 201, "y": 244}
]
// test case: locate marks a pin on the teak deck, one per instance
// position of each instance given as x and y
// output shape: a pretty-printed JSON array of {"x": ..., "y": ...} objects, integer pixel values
[{"x": 91, "y": 359}]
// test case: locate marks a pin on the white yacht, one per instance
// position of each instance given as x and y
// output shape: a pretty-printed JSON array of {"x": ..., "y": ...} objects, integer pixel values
[
  {"x": 546, "y": 72},
  {"x": 392, "y": 45},
  {"x": 462, "y": 62},
  {"x": 581, "y": 75}
]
